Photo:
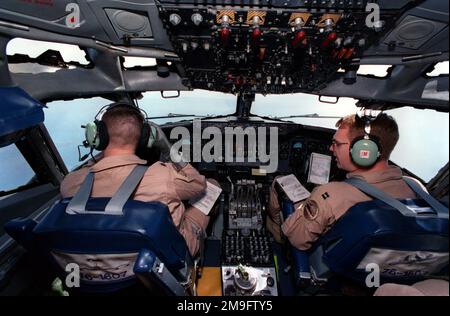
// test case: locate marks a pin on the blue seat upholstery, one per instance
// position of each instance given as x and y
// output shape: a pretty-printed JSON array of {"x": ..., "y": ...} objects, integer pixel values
[
  {"x": 112, "y": 252},
  {"x": 18, "y": 112},
  {"x": 300, "y": 257},
  {"x": 406, "y": 248}
]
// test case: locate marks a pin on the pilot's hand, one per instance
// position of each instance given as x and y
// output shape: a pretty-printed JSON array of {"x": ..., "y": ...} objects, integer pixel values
[{"x": 168, "y": 152}]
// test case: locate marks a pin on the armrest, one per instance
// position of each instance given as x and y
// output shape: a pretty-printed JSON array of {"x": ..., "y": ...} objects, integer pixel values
[
  {"x": 300, "y": 257},
  {"x": 21, "y": 230},
  {"x": 152, "y": 272}
]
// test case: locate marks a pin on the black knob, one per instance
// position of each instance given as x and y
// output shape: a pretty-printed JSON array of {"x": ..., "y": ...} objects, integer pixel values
[{"x": 270, "y": 281}]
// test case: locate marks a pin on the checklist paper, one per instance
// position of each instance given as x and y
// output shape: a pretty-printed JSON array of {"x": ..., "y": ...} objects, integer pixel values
[
  {"x": 319, "y": 168},
  {"x": 293, "y": 188},
  {"x": 206, "y": 201}
]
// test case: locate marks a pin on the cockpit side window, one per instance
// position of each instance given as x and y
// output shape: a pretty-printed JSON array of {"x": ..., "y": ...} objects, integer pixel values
[
  {"x": 31, "y": 56},
  {"x": 63, "y": 120},
  {"x": 14, "y": 169}
]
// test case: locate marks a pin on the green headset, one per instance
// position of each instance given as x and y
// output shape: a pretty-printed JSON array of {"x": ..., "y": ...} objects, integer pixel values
[
  {"x": 365, "y": 150},
  {"x": 96, "y": 133}
]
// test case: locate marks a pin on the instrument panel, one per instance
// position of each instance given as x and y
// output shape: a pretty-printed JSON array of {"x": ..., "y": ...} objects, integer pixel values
[
  {"x": 246, "y": 248},
  {"x": 246, "y": 149},
  {"x": 269, "y": 47}
]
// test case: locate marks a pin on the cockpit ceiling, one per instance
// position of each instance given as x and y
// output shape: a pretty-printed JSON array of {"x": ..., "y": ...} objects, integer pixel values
[{"x": 267, "y": 46}]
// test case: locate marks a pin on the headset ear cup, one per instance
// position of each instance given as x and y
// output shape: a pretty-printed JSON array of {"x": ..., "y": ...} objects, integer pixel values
[
  {"x": 90, "y": 134},
  {"x": 145, "y": 135},
  {"x": 364, "y": 152},
  {"x": 102, "y": 135}
]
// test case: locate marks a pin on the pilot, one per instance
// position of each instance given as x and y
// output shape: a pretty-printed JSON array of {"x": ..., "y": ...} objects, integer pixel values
[
  {"x": 431, "y": 287},
  {"x": 327, "y": 203},
  {"x": 164, "y": 182}
]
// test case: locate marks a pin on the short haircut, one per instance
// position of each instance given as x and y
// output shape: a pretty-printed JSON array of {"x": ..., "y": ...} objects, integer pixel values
[
  {"x": 383, "y": 127},
  {"x": 124, "y": 125}
]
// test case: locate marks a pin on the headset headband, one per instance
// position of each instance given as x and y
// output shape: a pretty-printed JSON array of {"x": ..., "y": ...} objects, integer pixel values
[
  {"x": 96, "y": 134},
  {"x": 108, "y": 107}
]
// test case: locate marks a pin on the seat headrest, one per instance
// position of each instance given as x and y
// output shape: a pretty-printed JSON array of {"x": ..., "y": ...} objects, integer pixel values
[
  {"x": 373, "y": 232},
  {"x": 143, "y": 225}
]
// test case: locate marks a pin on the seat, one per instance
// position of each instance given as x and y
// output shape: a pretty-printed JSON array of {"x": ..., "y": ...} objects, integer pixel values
[
  {"x": 113, "y": 251},
  {"x": 19, "y": 112},
  {"x": 405, "y": 247}
]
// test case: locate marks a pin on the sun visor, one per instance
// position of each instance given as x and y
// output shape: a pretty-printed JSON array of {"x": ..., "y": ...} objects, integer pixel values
[{"x": 18, "y": 111}]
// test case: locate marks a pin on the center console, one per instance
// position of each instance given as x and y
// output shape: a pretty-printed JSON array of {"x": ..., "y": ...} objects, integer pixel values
[{"x": 247, "y": 262}]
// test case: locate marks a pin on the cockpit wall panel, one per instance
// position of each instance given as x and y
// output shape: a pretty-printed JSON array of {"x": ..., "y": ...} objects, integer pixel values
[
  {"x": 422, "y": 29},
  {"x": 239, "y": 47},
  {"x": 113, "y": 22}
]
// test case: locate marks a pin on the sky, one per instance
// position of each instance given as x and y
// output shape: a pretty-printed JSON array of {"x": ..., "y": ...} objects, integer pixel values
[{"x": 424, "y": 134}]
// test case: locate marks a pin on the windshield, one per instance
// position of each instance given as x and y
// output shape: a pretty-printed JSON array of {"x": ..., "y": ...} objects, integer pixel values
[
  {"x": 14, "y": 169},
  {"x": 423, "y": 147},
  {"x": 284, "y": 106},
  {"x": 198, "y": 102},
  {"x": 63, "y": 119}
]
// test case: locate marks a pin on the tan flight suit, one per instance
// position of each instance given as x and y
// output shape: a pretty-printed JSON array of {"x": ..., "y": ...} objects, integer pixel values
[
  {"x": 424, "y": 288},
  {"x": 327, "y": 203},
  {"x": 160, "y": 183}
]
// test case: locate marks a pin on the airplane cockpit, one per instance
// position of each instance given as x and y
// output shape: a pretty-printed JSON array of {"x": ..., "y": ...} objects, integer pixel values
[{"x": 296, "y": 53}]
